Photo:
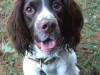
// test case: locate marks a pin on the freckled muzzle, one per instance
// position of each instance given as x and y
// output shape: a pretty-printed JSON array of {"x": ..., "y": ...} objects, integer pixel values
[{"x": 47, "y": 36}]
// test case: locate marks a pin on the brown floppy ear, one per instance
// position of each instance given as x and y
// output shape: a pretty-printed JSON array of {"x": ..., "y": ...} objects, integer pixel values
[
  {"x": 17, "y": 29},
  {"x": 73, "y": 22}
]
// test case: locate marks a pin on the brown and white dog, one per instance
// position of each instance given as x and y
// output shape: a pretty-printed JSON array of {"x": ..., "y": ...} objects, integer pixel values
[{"x": 47, "y": 33}]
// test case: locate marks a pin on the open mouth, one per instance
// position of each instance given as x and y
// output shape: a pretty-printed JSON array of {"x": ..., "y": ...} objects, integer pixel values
[{"x": 47, "y": 45}]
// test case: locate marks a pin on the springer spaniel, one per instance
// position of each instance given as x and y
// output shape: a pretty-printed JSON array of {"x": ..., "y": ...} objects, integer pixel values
[{"x": 47, "y": 33}]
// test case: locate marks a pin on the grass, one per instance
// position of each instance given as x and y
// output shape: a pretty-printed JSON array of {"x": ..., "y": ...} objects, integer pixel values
[
  {"x": 89, "y": 47},
  {"x": 88, "y": 51}
]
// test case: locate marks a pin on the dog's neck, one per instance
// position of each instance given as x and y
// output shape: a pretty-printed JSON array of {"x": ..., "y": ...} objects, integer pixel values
[{"x": 37, "y": 56}]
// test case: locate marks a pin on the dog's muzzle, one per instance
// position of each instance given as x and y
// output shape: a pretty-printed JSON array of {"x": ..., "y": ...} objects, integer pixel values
[{"x": 47, "y": 26}]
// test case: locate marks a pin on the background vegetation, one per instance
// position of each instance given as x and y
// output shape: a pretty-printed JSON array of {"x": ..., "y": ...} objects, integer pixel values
[{"x": 88, "y": 50}]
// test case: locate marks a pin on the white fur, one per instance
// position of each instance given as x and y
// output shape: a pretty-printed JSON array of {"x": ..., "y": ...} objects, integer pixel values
[{"x": 65, "y": 64}]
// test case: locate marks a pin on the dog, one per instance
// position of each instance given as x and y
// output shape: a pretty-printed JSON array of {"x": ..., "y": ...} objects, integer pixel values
[{"x": 46, "y": 32}]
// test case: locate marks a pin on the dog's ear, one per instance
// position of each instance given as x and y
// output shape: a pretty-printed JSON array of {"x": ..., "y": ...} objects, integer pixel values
[
  {"x": 73, "y": 22},
  {"x": 17, "y": 29}
]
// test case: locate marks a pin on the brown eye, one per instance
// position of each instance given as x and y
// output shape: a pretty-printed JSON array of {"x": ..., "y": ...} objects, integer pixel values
[
  {"x": 29, "y": 10},
  {"x": 57, "y": 6}
]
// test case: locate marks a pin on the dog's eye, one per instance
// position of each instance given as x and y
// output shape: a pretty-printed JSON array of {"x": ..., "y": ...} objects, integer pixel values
[
  {"x": 30, "y": 10},
  {"x": 57, "y": 6}
]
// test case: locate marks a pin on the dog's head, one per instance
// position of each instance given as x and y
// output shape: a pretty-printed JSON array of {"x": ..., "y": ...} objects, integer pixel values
[{"x": 47, "y": 23}]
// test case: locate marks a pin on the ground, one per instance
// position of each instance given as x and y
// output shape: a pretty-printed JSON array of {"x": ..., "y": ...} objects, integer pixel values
[{"x": 88, "y": 50}]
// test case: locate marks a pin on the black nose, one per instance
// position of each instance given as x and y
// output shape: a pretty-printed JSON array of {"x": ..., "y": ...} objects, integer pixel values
[{"x": 48, "y": 27}]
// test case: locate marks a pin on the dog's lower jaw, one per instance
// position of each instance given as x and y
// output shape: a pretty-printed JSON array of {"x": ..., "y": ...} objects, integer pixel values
[{"x": 64, "y": 65}]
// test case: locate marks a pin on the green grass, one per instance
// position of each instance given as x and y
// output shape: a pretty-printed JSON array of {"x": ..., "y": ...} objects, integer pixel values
[
  {"x": 5, "y": 8},
  {"x": 88, "y": 51},
  {"x": 89, "y": 48}
]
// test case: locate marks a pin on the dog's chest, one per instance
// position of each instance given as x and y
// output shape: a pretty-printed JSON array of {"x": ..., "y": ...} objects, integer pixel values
[
  {"x": 65, "y": 64},
  {"x": 52, "y": 69}
]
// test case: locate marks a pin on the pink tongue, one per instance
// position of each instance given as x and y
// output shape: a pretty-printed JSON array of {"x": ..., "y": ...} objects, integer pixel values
[{"x": 48, "y": 46}]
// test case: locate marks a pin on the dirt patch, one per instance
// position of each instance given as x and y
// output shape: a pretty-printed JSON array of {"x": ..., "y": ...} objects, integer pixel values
[
  {"x": 10, "y": 64},
  {"x": 97, "y": 38},
  {"x": 2, "y": 70},
  {"x": 19, "y": 65}
]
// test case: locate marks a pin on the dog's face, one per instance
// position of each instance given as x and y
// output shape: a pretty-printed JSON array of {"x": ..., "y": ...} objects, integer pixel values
[
  {"x": 43, "y": 20},
  {"x": 47, "y": 23}
]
